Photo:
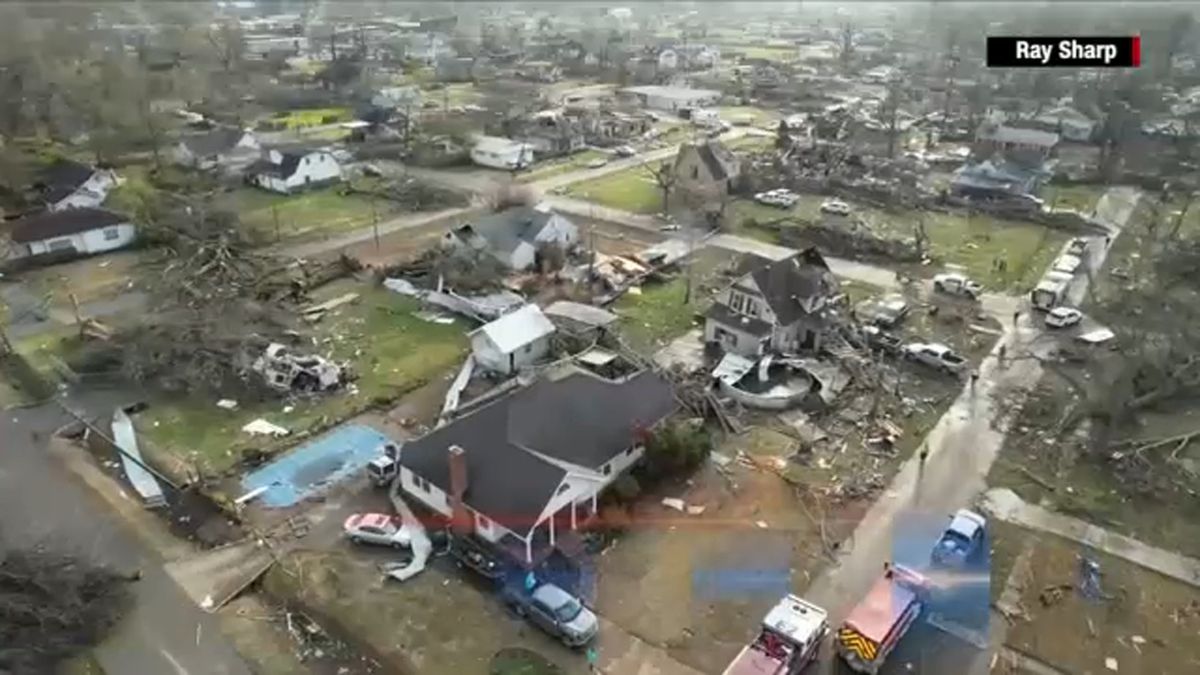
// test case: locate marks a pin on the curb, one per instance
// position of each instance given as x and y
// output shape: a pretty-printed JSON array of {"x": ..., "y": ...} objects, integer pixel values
[{"x": 142, "y": 524}]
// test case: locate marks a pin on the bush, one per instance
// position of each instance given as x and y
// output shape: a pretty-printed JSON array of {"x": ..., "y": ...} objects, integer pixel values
[
  {"x": 675, "y": 449},
  {"x": 626, "y": 488}
]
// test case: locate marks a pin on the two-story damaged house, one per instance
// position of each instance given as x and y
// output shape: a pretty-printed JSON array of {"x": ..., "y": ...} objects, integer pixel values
[
  {"x": 775, "y": 306},
  {"x": 707, "y": 168},
  {"x": 529, "y": 467}
]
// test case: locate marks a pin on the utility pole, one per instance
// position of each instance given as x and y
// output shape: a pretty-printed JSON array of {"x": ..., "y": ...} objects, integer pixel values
[
  {"x": 275, "y": 218},
  {"x": 374, "y": 222}
]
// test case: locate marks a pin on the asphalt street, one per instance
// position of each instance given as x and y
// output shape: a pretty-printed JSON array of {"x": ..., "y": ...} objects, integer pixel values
[{"x": 42, "y": 503}]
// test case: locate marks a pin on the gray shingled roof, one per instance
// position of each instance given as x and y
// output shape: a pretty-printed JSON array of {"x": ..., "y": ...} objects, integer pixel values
[
  {"x": 784, "y": 283},
  {"x": 214, "y": 142},
  {"x": 505, "y": 231},
  {"x": 50, "y": 224},
  {"x": 581, "y": 419}
]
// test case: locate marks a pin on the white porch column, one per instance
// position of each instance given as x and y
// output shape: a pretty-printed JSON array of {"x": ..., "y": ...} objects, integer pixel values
[
  {"x": 573, "y": 526},
  {"x": 528, "y": 550},
  {"x": 552, "y": 529},
  {"x": 593, "y": 503}
]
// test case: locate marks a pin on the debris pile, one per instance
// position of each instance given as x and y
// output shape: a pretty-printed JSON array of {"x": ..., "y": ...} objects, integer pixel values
[{"x": 287, "y": 372}]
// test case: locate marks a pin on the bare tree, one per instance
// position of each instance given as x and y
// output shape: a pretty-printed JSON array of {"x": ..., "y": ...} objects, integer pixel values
[
  {"x": 891, "y": 111},
  {"x": 665, "y": 178}
]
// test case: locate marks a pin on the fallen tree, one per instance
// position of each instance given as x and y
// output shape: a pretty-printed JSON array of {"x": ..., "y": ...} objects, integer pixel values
[{"x": 53, "y": 607}]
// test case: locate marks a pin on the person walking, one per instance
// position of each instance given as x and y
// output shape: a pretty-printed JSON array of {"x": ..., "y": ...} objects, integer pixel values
[
  {"x": 1016, "y": 317},
  {"x": 1001, "y": 355},
  {"x": 974, "y": 379}
]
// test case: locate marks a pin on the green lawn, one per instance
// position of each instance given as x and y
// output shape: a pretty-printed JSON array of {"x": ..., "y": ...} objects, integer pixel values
[
  {"x": 629, "y": 190},
  {"x": 274, "y": 216},
  {"x": 974, "y": 242},
  {"x": 391, "y": 350},
  {"x": 658, "y": 314},
  {"x": 298, "y": 119},
  {"x": 561, "y": 165},
  {"x": 1080, "y": 198}
]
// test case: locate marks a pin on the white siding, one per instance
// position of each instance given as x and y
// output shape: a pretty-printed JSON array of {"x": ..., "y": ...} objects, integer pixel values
[
  {"x": 98, "y": 240},
  {"x": 316, "y": 167},
  {"x": 427, "y": 493},
  {"x": 487, "y": 354},
  {"x": 738, "y": 341},
  {"x": 560, "y": 230},
  {"x": 574, "y": 488},
  {"x": 523, "y": 256}
]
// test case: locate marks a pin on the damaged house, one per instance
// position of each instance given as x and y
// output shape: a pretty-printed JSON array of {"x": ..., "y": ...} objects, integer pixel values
[
  {"x": 997, "y": 178},
  {"x": 530, "y": 467},
  {"x": 706, "y": 168},
  {"x": 226, "y": 149},
  {"x": 288, "y": 171},
  {"x": 67, "y": 185},
  {"x": 551, "y": 134},
  {"x": 1030, "y": 146},
  {"x": 515, "y": 235},
  {"x": 514, "y": 341},
  {"x": 777, "y": 306}
]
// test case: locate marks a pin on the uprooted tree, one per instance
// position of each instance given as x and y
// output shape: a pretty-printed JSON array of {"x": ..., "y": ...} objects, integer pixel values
[
  {"x": 53, "y": 607},
  {"x": 216, "y": 302},
  {"x": 1155, "y": 316}
]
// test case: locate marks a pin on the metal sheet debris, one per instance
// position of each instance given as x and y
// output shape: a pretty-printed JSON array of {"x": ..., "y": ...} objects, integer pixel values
[
  {"x": 261, "y": 427},
  {"x": 227, "y": 404},
  {"x": 142, "y": 480}
]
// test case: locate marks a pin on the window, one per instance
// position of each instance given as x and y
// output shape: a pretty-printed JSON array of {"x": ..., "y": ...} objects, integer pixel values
[
  {"x": 60, "y": 245},
  {"x": 111, "y": 233},
  {"x": 482, "y": 522},
  {"x": 695, "y": 172},
  {"x": 562, "y": 488},
  {"x": 629, "y": 451},
  {"x": 306, "y": 161},
  {"x": 606, "y": 470}
]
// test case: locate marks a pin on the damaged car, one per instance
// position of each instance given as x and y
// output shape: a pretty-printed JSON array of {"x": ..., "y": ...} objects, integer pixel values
[{"x": 285, "y": 371}]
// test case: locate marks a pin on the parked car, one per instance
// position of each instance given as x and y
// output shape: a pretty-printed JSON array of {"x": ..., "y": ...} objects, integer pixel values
[
  {"x": 1067, "y": 263},
  {"x": 952, "y": 283},
  {"x": 669, "y": 228},
  {"x": 597, "y": 163},
  {"x": 782, "y": 198},
  {"x": 835, "y": 207},
  {"x": 624, "y": 151},
  {"x": 377, "y": 528},
  {"x": 1077, "y": 247},
  {"x": 935, "y": 355},
  {"x": 1063, "y": 317},
  {"x": 962, "y": 541},
  {"x": 555, "y": 611}
]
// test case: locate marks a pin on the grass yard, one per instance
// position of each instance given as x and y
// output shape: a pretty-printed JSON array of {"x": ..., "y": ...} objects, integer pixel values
[
  {"x": 757, "y": 52},
  {"x": 299, "y": 119},
  {"x": 1080, "y": 198},
  {"x": 973, "y": 242},
  {"x": 1149, "y": 624},
  {"x": 754, "y": 115},
  {"x": 629, "y": 190},
  {"x": 561, "y": 165},
  {"x": 275, "y": 217},
  {"x": 657, "y": 314},
  {"x": 391, "y": 350},
  {"x": 750, "y": 143},
  {"x": 453, "y": 95}
]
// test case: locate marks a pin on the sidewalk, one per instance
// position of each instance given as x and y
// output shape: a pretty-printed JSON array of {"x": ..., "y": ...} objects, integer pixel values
[{"x": 1006, "y": 505}]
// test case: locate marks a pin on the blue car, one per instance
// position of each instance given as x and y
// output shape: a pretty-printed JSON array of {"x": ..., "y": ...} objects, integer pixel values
[{"x": 962, "y": 540}]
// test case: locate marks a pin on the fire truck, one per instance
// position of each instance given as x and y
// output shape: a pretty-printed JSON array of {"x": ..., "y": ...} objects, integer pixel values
[
  {"x": 789, "y": 639},
  {"x": 877, "y": 624}
]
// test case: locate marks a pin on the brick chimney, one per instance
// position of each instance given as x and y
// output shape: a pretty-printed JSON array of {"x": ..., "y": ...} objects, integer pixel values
[{"x": 460, "y": 519}]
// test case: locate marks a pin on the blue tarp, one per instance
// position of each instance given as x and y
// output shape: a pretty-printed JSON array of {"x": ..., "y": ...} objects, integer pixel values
[{"x": 314, "y": 466}]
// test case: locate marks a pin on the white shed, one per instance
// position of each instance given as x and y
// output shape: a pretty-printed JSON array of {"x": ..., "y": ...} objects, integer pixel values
[{"x": 515, "y": 340}]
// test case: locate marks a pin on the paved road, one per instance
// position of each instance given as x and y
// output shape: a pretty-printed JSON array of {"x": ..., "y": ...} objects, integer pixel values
[
  {"x": 962, "y": 447},
  {"x": 167, "y": 634}
]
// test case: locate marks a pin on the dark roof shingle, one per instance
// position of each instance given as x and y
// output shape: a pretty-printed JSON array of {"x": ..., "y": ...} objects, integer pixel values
[
  {"x": 214, "y": 142},
  {"x": 580, "y": 419},
  {"x": 786, "y": 283},
  {"x": 61, "y": 178},
  {"x": 50, "y": 224}
]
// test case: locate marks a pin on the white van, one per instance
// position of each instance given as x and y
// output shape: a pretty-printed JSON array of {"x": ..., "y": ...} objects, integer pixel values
[
  {"x": 706, "y": 118},
  {"x": 1051, "y": 291}
]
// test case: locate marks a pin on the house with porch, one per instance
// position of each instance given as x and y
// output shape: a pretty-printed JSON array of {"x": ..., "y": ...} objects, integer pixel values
[
  {"x": 776, "y": 306},
  {"x": 529, "y": 468},
  {"x": 1029, "y": 145}
]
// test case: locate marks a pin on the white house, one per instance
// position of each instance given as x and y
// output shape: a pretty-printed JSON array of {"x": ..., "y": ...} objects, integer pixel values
[
  {"x": 501, "y": 153},
  {"x": 531, "y": 465},
  {"x": 84, "y": 230},
  {"x": 671, "y": 99},
  {"x": 228, "y": 149},
  {"x": 774, "y": 306},
  {"x": 402, "y": 98},
  {"x": 514, "y": 341},
  {"x": 69, "y": 185},
  {"x": 286, "y": 172},
  {"x": 514, "y": 235}
]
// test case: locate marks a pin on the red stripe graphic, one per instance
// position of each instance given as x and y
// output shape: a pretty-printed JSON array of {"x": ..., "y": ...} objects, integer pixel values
[{"x": 1137, "y": 51}]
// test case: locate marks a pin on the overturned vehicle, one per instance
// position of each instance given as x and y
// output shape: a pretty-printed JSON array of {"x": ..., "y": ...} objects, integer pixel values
[{"x": 285, "y": 371}]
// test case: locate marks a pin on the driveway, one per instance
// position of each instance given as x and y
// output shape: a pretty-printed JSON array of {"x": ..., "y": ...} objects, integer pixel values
[{"x": 166, "y": 634}]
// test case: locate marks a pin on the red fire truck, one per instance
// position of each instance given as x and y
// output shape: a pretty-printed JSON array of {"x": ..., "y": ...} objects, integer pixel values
[
  {"x": 876, "y": 625},
  {"x": 789, "y": 639}
]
